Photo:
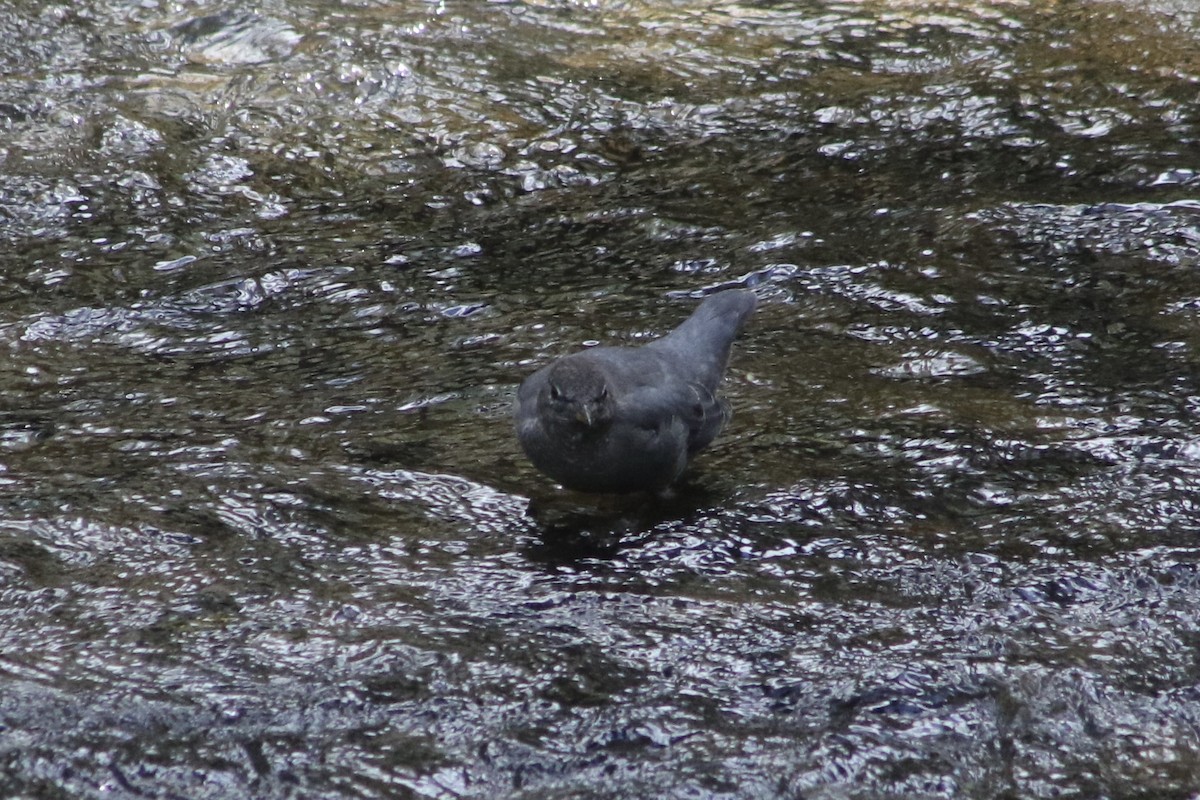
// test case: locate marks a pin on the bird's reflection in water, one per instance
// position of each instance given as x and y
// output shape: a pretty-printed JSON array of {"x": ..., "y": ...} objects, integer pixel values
[{"x": 573, "y": 527}]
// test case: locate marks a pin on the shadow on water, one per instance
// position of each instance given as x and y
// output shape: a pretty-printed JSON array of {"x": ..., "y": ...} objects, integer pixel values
[{"x": 571, "y": 530}]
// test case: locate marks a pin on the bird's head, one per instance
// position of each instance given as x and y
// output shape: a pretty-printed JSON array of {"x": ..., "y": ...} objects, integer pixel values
[{"x": 577, "y": 394}]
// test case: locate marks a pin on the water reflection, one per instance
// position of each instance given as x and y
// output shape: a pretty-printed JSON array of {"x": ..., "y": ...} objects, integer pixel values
[{"x": 271, "y": 278}]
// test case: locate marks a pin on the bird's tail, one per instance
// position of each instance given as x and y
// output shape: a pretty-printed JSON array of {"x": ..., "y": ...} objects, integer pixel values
[{"x": 705, "y": 338}]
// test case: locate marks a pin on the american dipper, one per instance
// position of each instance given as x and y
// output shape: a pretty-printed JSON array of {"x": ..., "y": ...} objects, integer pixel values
[{"x": 627, "y": 419}]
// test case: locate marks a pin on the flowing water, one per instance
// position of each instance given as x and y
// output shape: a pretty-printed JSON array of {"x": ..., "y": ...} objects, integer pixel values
[{"x": 269, "y": 277}]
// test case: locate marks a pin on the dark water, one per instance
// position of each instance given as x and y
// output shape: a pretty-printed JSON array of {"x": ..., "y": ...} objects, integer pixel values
[{"x": 270, "y": 277}]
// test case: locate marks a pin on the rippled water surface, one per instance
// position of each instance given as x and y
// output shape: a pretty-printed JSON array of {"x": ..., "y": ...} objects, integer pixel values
[{"x": 270, "y": 275}]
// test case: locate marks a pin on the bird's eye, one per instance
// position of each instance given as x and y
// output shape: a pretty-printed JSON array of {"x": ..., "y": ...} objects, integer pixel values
[
  {"x": 603, "y": 394},
  {"x": 555, "y": 393}
]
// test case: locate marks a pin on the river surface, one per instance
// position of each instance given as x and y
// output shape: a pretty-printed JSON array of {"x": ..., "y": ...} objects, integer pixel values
[{"x": 270, "y": 274}]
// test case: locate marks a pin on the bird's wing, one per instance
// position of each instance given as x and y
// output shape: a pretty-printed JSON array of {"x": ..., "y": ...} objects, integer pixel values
[
  {"x": 687, "y": 409},
  {"x": 656, "y": 392},
  {"x": 709, "y": 413}
]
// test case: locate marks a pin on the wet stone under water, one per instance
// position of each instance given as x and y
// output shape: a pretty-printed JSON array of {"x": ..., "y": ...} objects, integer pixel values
[{"x": 271, "y": 277}]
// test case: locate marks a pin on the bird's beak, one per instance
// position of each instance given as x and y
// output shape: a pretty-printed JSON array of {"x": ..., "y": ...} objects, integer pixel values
[{"x": 584, "y": 416}]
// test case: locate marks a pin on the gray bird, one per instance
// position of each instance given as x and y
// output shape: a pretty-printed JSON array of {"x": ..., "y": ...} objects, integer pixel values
[{"x": 628, "y": 419}]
